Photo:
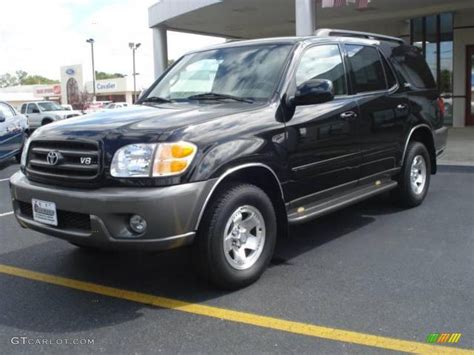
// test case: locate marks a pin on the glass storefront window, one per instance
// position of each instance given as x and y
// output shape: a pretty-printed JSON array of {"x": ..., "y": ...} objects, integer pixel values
[{"x": 434, "y": 36}]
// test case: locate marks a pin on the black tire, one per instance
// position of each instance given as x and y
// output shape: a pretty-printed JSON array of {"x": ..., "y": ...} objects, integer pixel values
[
  {"x": 405, "y": 195},
  {"x": 209, "y": 254},
  {"x": 46, "y": 121}
]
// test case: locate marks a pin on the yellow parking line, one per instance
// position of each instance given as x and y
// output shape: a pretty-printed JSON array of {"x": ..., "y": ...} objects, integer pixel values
[{"x": 239, "y": 317}]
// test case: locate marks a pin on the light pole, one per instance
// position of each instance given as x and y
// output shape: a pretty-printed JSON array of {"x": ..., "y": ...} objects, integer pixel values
[
  {"x": 91, "y": 41},
  {"x": 134, "y": 47}
]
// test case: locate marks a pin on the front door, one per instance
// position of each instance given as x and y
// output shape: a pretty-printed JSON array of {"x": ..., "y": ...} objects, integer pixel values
[
  {"x": 470, "y": 86},
  {"x": 322, "y": 139}
]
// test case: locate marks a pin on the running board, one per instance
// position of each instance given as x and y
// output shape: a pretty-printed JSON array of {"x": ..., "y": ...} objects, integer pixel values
[{"x": 306, "y": 213}]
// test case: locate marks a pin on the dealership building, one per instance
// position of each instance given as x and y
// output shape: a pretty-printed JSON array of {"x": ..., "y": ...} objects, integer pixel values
[
  {"x": 442, "y": 29},
  {"x": 70, "y": 88}
]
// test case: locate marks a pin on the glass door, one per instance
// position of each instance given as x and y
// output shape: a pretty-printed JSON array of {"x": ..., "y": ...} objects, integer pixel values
[{"x": 470, "y": 86}]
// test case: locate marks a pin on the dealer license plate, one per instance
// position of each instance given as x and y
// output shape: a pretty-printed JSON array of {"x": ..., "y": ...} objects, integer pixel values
[{"x": 45, "y": 212}]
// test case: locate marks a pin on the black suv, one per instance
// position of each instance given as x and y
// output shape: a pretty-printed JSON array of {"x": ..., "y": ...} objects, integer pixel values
[{"x": 233, "y": 144}]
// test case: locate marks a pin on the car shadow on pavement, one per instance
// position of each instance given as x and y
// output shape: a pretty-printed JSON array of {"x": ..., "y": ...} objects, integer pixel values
[
  {"x": 167, "y": 274},
  {"x": 308, "y": 236},
  {"x": 7, "y": 163}
]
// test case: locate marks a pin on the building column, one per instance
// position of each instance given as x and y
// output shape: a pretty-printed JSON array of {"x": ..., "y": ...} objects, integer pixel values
[
  {"x": 160, "y": 50},
  {"x": 305, "y": 17}
]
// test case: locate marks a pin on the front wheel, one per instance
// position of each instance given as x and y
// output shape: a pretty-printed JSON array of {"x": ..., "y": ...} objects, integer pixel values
[
  {"x": 237, "y": 237},
  {"x": 414, "y": 179}
]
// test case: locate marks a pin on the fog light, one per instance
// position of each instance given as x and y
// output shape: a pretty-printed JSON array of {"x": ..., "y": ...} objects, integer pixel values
[{"x": 138, "y": 223}]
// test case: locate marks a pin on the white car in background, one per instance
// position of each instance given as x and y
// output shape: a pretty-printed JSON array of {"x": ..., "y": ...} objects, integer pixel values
[
  {"x": 67, "y": 107},
  {"x": 115, "y": 105},
  {"x": 96, "y": 106},
  {"x": 43, "y": 112}
]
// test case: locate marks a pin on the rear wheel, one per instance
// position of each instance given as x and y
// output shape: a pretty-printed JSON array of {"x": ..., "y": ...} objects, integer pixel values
[
  {"x": 237, "y": 237},
  {"x": 414, "y": 180}
]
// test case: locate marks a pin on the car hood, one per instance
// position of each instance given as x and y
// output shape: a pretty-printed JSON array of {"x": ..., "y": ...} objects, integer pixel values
[{"x": 145, "y": 122}]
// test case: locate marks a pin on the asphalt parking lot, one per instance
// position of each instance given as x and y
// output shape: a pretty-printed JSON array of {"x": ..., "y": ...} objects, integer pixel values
[{"x": 371, "y": 278}]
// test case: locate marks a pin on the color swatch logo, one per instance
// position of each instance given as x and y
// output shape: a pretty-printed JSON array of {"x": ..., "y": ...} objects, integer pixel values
[{"x": 440, "y": 338}]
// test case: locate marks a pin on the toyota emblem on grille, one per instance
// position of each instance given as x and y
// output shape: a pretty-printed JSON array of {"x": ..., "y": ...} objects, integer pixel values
[{"x": 53, "y": 158}]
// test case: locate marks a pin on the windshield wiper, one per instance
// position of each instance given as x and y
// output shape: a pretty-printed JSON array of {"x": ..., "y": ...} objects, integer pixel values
[
  {"x": 216, "y": 96},
  {"x": 156, "y": 99}
]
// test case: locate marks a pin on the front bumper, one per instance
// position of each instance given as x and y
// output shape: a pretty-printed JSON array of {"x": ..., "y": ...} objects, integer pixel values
[{"x": 100, "y": 217}]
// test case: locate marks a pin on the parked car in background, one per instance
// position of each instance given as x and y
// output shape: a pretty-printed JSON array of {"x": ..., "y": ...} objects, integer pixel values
[
  {"x": 43, "y": 112},
  {"x": 13, "y": 130},
  {"x": 67, "y": 107},
  {"x": 96, "y": 106},
  {"x": 115, "y": 105}
]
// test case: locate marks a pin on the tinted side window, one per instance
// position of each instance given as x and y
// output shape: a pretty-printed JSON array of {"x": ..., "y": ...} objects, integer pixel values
[
  {"x": 391, "y": 80},
  {"x": 367, "y": 70},
  {"x": 410, "y": 64},
  {"x": 30, "y": 108},
  {"x": 23, "y": 108},
  {"x": 323, "y": 62}
]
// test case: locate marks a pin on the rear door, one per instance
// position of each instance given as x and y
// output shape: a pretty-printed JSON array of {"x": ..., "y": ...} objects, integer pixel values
[
  {"x": 10, "y": 132},
  {"x": 34, "y": 115},
  {"x": 384, "y": 109},
  {"x": 322, "y": 139}
]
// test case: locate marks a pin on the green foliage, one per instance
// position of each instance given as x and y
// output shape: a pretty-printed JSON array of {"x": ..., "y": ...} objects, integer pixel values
[
  {"x": 8, "y": 80},
  {"x": 21, "y": 77},
  {"x": 37, "y": 79},
  {"x": 100, "y": 75},
  {"x": 445, "y": 84}
]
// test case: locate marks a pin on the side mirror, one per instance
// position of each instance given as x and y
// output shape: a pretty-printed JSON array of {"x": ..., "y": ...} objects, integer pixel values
[{"x": 314, "y": 91}]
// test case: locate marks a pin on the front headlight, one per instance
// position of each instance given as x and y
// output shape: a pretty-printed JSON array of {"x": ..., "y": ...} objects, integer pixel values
[{"x": 152, "y": 160}]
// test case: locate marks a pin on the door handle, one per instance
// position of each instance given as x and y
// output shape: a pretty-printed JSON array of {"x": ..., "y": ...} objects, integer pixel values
[
  {"x": 401, "y": 107},
  {"x": 348, "y": 115}
]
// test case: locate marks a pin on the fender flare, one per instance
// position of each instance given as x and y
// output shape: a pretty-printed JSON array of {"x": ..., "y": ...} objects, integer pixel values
[
  {"x": 230, "y": 172},
  {"x": 423, "y": 125}
]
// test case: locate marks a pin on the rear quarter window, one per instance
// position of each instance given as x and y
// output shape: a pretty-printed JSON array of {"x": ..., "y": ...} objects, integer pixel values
[{"x": 412, "y": 67}]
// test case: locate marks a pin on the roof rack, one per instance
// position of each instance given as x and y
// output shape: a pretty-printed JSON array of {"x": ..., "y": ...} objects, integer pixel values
[{"x": 326, "y": 32}]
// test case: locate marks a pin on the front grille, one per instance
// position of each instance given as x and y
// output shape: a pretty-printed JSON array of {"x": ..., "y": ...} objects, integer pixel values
[
  {"x": 66, "y": 219},
  {"x": 76, "y": 161}
]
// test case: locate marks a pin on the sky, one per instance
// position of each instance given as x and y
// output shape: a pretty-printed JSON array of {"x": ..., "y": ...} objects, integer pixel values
[{"x": 40, "y": 36}]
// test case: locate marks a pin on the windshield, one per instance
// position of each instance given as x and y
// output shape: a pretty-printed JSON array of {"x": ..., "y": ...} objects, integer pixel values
[
  {"x": 49, "y": 106},
  {"x": 250, "y": 72}
]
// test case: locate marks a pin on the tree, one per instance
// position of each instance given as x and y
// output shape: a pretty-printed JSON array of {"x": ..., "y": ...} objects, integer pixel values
[
  {"x": 21, "y": 77},
  {"x": 8, "y": 80},
  {"x": 84, "y": 99},
  {"x": 445, "y": 84},
  {"x": 100, "y": 75},
  {"x": 37, "y": 79}
]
